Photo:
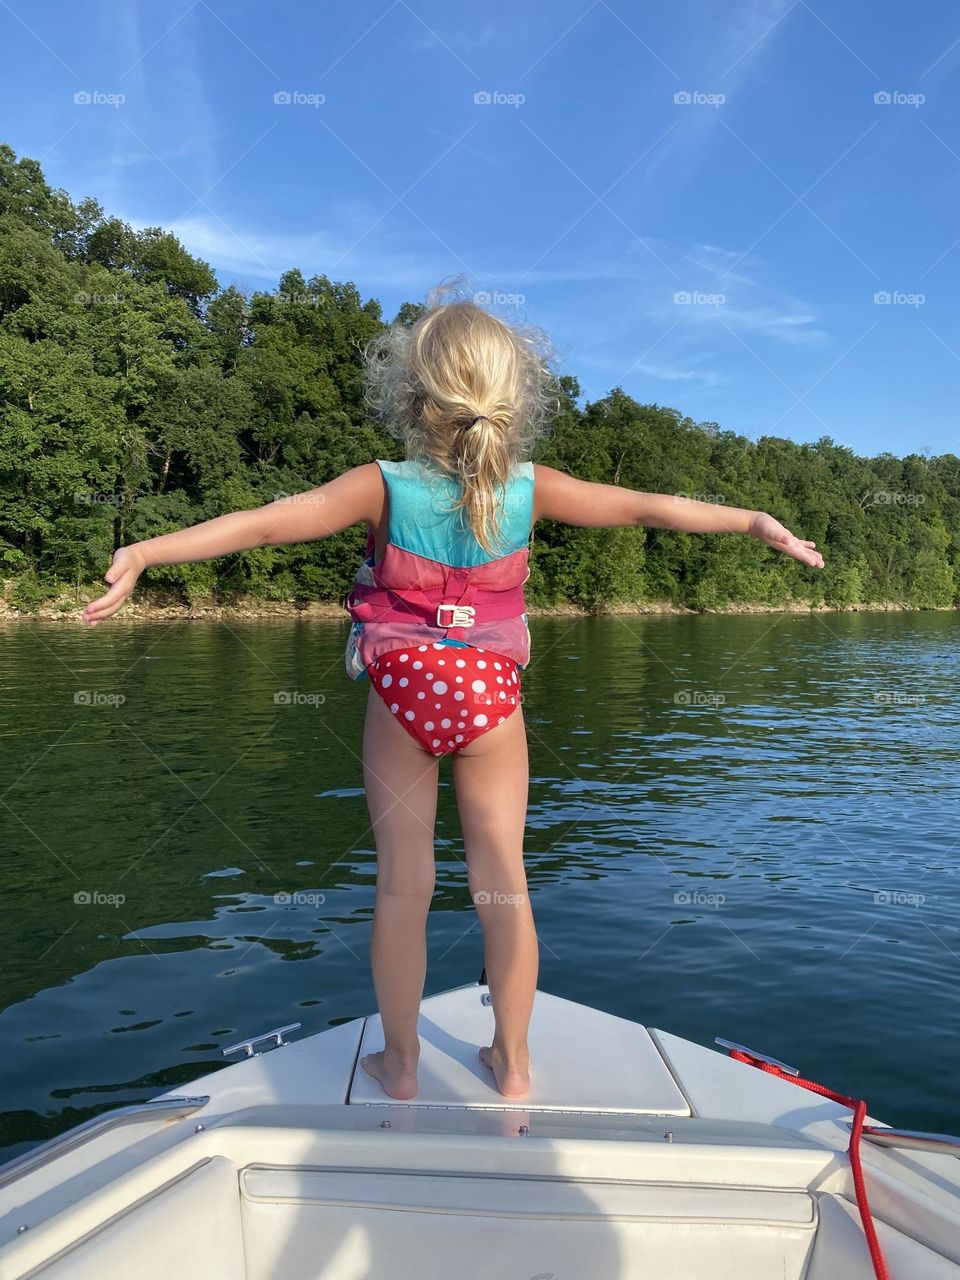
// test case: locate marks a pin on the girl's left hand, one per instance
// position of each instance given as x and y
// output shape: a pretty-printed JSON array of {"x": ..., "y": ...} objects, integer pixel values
[
  {"x": 128, "y": 564},
  {"x": 776, "y": 535}
]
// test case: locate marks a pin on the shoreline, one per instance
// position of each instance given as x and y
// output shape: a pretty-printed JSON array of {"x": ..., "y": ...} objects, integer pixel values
[{"x": 327, "y": 611}]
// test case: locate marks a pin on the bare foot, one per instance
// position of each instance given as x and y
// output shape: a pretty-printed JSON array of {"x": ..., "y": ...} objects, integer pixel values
[
  {"x": 513, "y": 1079},
  {"x": 397, "y": 1073}
]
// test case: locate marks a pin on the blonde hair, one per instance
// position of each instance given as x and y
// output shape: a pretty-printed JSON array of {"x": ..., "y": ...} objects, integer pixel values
[{"x": 468, "y": 393}]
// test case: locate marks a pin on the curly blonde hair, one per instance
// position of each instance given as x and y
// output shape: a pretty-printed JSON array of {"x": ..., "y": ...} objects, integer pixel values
[{"x": 468, "y": 393}]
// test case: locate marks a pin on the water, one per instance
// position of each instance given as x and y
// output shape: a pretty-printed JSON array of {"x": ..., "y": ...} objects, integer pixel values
[{"x": 741, "y": 826}]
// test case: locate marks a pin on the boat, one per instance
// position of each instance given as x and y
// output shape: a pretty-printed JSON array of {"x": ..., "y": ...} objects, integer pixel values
[{"x": 636, "y": 1154}]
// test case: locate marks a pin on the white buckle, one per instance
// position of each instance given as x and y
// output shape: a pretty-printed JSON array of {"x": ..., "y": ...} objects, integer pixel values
[{"x": 461, "y": 615}]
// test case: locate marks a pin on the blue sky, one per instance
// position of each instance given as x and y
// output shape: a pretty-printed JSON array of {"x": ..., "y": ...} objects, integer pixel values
[{"x": 720, "y": 252}]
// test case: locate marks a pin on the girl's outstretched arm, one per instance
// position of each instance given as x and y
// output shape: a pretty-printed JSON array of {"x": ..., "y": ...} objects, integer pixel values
[
  {"x": 356, "y": 495},
  {"x": 558, "y": 496}
]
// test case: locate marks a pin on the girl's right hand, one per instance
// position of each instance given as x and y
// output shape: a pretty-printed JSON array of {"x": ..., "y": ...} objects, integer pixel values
[{"x": 128, "y": 564}]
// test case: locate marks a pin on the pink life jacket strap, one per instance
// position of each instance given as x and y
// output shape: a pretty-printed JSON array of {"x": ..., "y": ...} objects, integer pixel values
[{"x": 383, "y": 604}]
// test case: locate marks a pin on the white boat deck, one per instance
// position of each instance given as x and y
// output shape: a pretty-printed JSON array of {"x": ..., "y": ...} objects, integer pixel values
[{"x": 582, "y": 1060}]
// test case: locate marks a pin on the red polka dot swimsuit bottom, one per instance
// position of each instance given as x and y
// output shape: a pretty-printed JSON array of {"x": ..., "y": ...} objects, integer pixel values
[{"x": 446, "y": 696}]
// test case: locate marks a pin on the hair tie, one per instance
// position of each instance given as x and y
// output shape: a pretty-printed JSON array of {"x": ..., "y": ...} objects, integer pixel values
[{"x": 473, "y": 421}]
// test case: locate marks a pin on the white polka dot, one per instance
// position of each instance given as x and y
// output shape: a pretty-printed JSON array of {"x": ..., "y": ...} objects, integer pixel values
[
  {"x": 438, "y": 646},
  {"x": 428, "y": 675},
  {"x": 421, "y": 694},
  {"x": 478, "y": 686},
  {"x": 428, "y": 725},
  {"x": 459, "y": 695},
  {"x": 417, "y": 666},
  {"x": 461, "y": 663},
  {"x": 436, "y": 742},
  {"x": 444, "y": 724},
  {"x": 438, "y": 706},
  {"x": 459, "y": 738},
  {"x": 440, "y": 686},
  {"x": 479, "y": 720},
  {"x": 441, "y": 662},
  {"x": 462, "y": 725},
  {"x": 481, "y": 665},
  {"x": 459, "y": 679},
  {"x": 404, "y": 682},
  {"x": 422, "y": 648},
  {"x": 409, "y": 715},
  {"x": 498, "y": 666},
  {"x": 501, "y": 720},
  {"x": 387, "y": 681},
  {"x": 394, "y": 707},
  {"x": 404, "y": 657}
]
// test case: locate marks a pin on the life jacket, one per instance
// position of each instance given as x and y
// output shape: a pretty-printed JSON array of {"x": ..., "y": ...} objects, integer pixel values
[{"x": 435, "y": 583}]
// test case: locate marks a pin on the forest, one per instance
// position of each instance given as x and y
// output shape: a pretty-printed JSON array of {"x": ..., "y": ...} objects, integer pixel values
[{"x": 137, "y": 396}]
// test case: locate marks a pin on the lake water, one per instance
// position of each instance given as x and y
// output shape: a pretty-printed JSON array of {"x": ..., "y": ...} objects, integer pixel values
[{"x": 739, "y": 826}]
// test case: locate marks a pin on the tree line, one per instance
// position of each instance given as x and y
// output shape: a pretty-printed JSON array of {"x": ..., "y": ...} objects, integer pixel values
[{"x": 138, "y": 396}]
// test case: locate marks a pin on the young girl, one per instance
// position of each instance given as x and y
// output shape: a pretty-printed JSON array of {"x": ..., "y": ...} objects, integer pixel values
[{"x": 440, "y": 632}]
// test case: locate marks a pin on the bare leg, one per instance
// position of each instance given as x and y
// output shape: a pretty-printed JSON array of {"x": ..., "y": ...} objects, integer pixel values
[
  {"x": 491, "y": 778},
  {"x": 401, "y": 785}
]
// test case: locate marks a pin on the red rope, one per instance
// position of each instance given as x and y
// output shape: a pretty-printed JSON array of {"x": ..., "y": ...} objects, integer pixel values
[{"x": 859, "y": 1109}]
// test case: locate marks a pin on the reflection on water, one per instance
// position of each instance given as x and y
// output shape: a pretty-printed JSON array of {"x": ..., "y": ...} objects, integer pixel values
[{"x": 738, "y": 826}]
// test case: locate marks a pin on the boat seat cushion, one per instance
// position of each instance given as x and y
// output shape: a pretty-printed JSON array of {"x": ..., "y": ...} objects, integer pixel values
[
  {"x": 188, "y": 1229},
  {"x": 316, "y": 1224},
  {"x": 841, "y": 1249}
]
